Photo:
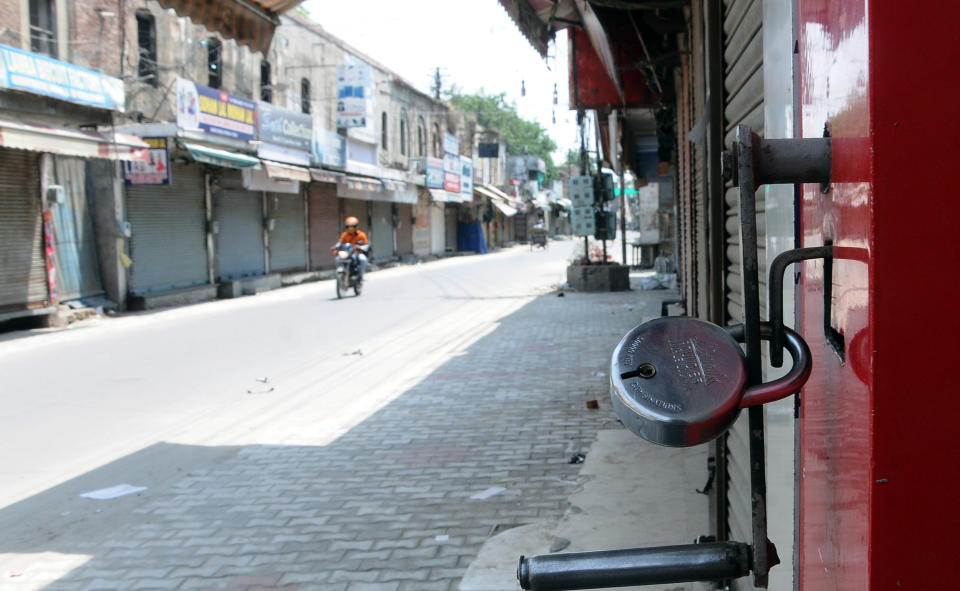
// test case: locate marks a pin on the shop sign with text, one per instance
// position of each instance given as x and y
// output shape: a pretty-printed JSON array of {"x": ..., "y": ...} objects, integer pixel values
[
  {"x": 434, "y": 172},
  {"x": 153, "y": 171},
  {"x": 284, "y": 128},
  {"x": 214, "y": 111},
  {"x": 39, "y": 74}
]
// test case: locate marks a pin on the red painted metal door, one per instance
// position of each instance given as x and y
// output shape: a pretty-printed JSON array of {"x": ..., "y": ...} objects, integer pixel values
[{"x": 879, "y": 421}]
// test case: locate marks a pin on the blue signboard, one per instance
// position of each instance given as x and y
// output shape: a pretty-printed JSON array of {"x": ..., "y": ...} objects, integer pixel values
[
  {"x": 434, "y": 172},
  {"x": 214, "y": 111},
  {"x": 22, "y": 70}
]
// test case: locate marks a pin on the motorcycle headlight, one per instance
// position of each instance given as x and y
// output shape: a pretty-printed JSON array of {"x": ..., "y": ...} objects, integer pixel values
[{"x": 343, "y": 254}]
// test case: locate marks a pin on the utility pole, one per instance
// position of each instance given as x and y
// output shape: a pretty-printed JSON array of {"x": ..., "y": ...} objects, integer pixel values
[{"x": 437, "y": 83}]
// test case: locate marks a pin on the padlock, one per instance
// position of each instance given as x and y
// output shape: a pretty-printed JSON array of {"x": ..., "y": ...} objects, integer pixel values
[{"x": 680, "y": 381}]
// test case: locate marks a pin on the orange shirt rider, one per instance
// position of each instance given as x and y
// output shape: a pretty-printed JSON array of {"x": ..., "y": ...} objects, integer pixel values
[{"x": 353, "y": 236}]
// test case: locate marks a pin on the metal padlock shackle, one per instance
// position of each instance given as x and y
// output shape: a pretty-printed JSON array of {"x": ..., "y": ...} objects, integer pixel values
[
  {"x": 790, "y": 383},
  {"x": 681, "y": 381}
]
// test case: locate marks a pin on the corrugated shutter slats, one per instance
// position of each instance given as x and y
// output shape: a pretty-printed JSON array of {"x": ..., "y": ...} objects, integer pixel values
[
  {"x": 288, "y": 240},
  {"x": 23, "y": 269}
]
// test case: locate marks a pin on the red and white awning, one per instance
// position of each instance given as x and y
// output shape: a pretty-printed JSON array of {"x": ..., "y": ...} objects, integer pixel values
[{"x": 72, "y": 142}]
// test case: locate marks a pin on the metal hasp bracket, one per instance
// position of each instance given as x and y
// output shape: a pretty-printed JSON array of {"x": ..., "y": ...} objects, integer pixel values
[
  {"x": 758, "y": 162},
  {"x": 713, "y": 561}
]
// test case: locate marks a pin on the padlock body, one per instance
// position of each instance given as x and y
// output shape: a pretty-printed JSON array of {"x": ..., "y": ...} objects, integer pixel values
[{"x": 698, "y": 378}]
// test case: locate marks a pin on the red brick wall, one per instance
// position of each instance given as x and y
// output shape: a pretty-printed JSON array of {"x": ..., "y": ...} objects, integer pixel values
[{"x": 10, "y": 23}]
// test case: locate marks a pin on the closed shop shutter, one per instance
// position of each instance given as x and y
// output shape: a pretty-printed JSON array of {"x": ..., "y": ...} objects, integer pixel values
[
  {"x": 437, "y": 228},
  {"x": 239, "y": 213},
  {"x": 23, "y": 269},
  {"x": 75, "y": 245},
  {"x": 404, "y": 229},
  {"x": 520, "y": 227},
  {"x": 168, "y": 245},
  {"x": 288, "y": 240},
  {"x": 743, "y": 104},
  {"x": 382, "y": 229},
  {"x": 325, "y": 225},
  {"x": 450, "y": 226}
]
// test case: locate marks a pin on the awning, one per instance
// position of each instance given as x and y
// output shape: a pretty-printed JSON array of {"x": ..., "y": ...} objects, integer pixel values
[
  {"x": 363, "y": 184},
  {"x": 390, "y": 185},
  {"x": 250, "y": 22},
  {"x": 503, "y": 207},
  {"x": 486, "y": 193},
  {"x": 565, "y": 203},
  {"x": 325, "y": 176},
  {"x": 69, "y": 142},
  {"x": 286, "y": 172},
  {"x": 221, "y": 158}
]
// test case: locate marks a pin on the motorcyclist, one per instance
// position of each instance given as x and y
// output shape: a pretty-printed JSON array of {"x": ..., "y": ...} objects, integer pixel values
[{"x": 354, "y": 236}]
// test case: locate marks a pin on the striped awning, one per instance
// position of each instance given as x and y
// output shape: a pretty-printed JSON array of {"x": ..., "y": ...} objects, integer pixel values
[
  {"x": 286, "y": 172},
  {"x": 222, "y": 158},
  {"x": 391, "y": 185},
  {"x": 358, "y": 183},
  {"x": 72, "y": 142},
  {"x": 325, "y": 176}
]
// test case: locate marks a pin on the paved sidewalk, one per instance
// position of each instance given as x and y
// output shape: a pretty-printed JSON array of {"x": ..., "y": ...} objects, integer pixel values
[{"x": 403, "y": 501}]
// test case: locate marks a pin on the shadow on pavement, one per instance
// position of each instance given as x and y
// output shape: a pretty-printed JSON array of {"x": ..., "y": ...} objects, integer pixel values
[{"x": 404, "y": 500}]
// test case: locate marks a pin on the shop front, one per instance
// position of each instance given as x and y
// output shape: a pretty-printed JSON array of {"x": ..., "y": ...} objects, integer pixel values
[
  {"x": 329, "y": 158},
  {"x": 48, "y": 233}
]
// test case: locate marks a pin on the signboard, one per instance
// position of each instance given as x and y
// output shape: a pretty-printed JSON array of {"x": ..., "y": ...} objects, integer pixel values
[
  {"x": 466, "y": 176},
  {"x": 581, "y": 191},
  {"x": 451, "y": 163},
  {"x": 354, "y": 91},
  {"x": 155, "y": 170},
  {"x": 583, "y": 221},
  {"x": 284, "y": 128},
  {"x": 329, "y": 149},
  {"x": 214, "y": 111},
  {"x": 22, "y": 70},
  {"x": 434, "y": 172}
]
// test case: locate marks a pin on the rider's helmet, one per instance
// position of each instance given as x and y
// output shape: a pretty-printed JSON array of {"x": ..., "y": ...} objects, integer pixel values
[{"x": 351, "y": 222}]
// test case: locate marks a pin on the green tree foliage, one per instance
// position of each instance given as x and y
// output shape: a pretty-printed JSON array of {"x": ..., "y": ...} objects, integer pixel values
[{"x": 521, "y": 136}]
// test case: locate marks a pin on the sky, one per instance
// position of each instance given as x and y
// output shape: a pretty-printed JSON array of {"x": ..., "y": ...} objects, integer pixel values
[{"x": 474, "y": 43}]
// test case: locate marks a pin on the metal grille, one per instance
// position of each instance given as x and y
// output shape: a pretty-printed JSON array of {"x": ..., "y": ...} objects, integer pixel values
[
  {"x": 240, "y": 250},
  {"x": 23, "y": 270},
  {"x": 168, "y": 245},
  {"x": 288, "y": 240},
  {"x": 743, "y": 104}
]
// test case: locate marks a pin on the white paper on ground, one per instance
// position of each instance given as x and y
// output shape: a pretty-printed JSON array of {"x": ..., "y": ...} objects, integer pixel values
[
  {"x": 113, "y": 492},
  {"x": 493, "y": 490}
]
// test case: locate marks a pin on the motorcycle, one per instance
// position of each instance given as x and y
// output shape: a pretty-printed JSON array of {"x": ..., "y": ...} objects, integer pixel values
[{"x": 347, "y": 275}]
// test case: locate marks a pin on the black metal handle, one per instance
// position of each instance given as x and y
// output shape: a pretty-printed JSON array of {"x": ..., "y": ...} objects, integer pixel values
[
  {"x": 777, "y": 271},
  {"x": 640, "y": 566}
]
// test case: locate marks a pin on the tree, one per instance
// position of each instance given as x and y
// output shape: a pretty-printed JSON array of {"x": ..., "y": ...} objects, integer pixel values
[{"x": 520, "y": 136}]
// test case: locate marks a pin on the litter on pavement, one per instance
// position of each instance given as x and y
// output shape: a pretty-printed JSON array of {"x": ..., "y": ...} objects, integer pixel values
[
  {"x": 120, "y": 490},
  {"x": 486, "y": 494}
]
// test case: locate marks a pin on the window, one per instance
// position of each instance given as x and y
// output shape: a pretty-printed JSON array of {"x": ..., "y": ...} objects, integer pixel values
[
  {"x": 403, "y": 133},
  {"x": 305, "y": 95},
  {"x": 266, "y": 89},
  {"x": 421, "y": 138},
  {"x": 436, "y": 141},
  {"x": 383, "y": 130},
  {"x": 43, "y": 27},
  {"x": 147, "y": 48},
  {"x": 214, "y": 63}
]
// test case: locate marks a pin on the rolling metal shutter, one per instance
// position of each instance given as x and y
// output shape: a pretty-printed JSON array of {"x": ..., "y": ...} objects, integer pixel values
[
  {"x": 78, "y": 274},
  {"x": 325, "y": 227},
  {"x": 743, "y": 89},
  {"x": 451, "y": 215},
  {"x": 382, "y": 229},
  {"x": 288, "y": 240},
  {"x": 404, "y": 228},
  {"x": 437, "y": 232},
  {"x": 23, "y": 270},
  {"x": 168, "y": 245},
  {"x": 239, "y": 213}
]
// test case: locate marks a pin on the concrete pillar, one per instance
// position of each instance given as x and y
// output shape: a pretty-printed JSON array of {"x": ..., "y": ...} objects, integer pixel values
[{"x": 106, "y": 191}]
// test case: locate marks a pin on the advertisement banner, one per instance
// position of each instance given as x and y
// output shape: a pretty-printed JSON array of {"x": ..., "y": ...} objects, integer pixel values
[
  {"x": 22, "y": 70},
  {"x": 466, "y": 176},
  {"x": 155, "y": 170},
  {"x": 284, "y": 128},
  {"x": 354, "y": 92},
  {"x": 451, "y": 145},
  {"x": 451, "y": 163},
  {"x": 434, "y": 173},
  {"x": 214, "y": 111},
  {"x": 329, "y": 149}
]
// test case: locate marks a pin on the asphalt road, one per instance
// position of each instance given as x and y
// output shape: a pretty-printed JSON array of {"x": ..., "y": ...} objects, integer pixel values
[{"x": 243, "y": 371}]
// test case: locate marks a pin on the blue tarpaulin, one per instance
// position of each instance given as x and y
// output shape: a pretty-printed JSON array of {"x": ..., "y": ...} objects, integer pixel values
[{"x": 470, "y": 237}]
